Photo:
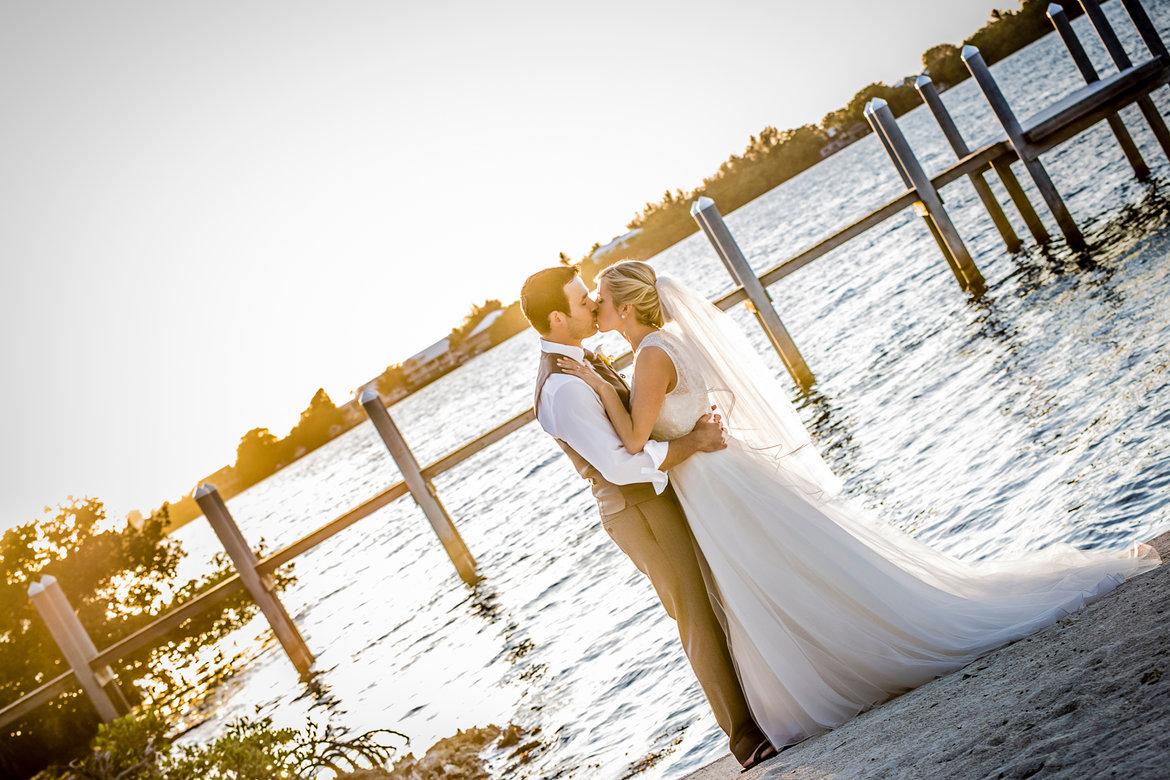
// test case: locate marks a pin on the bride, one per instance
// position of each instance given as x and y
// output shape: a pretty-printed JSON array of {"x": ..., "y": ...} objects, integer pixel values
[{"x": 828, "y": 611}]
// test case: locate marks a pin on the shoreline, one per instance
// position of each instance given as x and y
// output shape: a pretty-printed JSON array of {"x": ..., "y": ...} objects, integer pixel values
[{"x": 1087, "y": 696}]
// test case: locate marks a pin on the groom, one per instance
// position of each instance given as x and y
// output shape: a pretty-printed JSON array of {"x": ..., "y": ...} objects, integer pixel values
[{"x": 638, "y": 508}]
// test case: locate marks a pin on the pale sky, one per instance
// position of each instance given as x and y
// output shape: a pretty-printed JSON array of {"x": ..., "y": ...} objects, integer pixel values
[{"x": 209, "y": 210}]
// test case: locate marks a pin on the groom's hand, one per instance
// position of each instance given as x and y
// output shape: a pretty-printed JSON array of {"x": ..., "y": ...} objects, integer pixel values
[
  {"x": 709, "y": 434},
  {"x": 706, "y": 436}
]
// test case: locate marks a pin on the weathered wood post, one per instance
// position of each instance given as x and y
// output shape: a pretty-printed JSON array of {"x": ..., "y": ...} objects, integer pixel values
[
  {"x": 919, "y": 207},
  {"x": 1011, "y": 126},
  {"x": 1122, "y": 60},
  {"x": 1145, "y": 28},
  {"x": 420, "y": 487},
  {"x": 930, "y": 97},
  {"x": 1003, "y": 169},
  {"x": 260, "y": 587},
  {"x": 964, "y": 268},
  {"x": 711, "y": 223},
  {"x": 101, "y": 687},
  {"x": 1085, "y": 66}
]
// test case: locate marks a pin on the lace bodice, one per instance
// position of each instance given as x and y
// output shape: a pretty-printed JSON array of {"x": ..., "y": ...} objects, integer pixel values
[{"x": 687, "y": 402}]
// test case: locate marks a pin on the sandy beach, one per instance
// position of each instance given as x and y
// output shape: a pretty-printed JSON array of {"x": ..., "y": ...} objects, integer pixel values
[{"x": 1087, "y": 697}]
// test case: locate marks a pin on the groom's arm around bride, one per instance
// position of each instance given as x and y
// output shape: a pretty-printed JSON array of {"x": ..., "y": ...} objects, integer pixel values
[{"x": 638, "y": 509}]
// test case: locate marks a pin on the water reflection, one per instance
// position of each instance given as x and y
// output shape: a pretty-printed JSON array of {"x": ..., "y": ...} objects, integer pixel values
[
  {"x": 483, "y": 602},
  {"x": 829, "y": 426}
]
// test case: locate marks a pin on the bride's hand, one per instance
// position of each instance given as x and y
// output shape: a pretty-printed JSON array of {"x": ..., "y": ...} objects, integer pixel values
[{"x": 583, "y": 371}]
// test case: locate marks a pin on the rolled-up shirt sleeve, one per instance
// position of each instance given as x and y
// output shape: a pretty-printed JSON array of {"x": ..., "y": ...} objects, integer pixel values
[{"x": 573, "y": 413}]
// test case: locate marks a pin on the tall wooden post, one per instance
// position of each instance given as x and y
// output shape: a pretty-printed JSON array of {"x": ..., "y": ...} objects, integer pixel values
[
  {"x": 919, "y": 206},
  {"x": 54, "y": 608},
  {"x": 1011, "y": 126},
  {"x": 930, "y": 97},
  {"x": 711, "y": 223},
  {"x": 420, "y": 487},
  {"x": 1121, "y": 59},
  {"x": 1146, "y": 29},
  {"x": 1085, "y": 66},
  {"x": 963, "y": 266},
  {"x": 260, "y": 587}
]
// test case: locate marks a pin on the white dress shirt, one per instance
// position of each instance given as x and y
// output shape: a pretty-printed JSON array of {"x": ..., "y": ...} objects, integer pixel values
[{"x": 571, "y": 411}]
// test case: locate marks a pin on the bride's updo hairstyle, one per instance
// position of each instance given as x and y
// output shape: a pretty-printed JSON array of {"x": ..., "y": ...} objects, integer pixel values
[{"x": 632, "y": 281}]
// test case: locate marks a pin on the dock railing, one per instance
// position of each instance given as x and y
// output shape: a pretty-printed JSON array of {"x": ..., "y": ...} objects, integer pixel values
[{"x": 90, "y": 668}]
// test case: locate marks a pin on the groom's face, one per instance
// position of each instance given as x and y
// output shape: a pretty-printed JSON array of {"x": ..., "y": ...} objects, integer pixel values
[{"x": 581, "y": 322}]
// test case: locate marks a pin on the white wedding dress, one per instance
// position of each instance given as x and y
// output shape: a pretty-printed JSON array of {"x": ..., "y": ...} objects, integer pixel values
[{"x": 829, "y": 611}]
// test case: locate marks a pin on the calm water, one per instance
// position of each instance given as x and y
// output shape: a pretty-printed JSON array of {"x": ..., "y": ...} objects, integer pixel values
[{"x": 1040, "y": 412}]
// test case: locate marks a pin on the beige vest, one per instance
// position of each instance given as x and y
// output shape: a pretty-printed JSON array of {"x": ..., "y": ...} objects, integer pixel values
[{"x": 611, "y": 498}]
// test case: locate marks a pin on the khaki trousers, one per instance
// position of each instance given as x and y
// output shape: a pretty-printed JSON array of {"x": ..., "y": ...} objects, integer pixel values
[{"x": 656, "y": 537}]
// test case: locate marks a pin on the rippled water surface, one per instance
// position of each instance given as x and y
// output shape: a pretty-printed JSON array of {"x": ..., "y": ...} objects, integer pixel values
[{"x": 1039, "y": 412}]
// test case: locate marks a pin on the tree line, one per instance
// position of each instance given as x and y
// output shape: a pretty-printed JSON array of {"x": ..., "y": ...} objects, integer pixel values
[
  {"x": 118, "y": 581},
  {"x": 773, "y": 156}
]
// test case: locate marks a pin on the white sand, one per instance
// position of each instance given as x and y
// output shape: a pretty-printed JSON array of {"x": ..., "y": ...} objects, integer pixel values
[{"x": 1087, "y": 697}]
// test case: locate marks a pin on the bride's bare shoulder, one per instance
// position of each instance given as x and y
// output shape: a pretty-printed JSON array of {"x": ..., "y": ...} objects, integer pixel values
[{"x": 654, "y": 362}]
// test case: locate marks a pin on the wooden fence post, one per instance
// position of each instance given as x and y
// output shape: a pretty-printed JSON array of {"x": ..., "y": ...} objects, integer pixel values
[
  {"x": 1121, "y": 59},
  {"x": 919, "y": 208},
  {"x": 1011, "y": 126},
  {"x": 420, "y": 487},
  {"x": 711, "y": 223},
  {"x": 101, "y": 687},
  {"x": 260, "y": 587},
  {"x": 1085, "y": 66},
  {"x": 959, "y": 258},
  {"x": 1146, "y": 29},
  {"x": 950, "y": 130}
]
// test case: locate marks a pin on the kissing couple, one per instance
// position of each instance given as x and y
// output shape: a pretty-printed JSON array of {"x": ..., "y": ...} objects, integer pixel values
[{"x": 796, "y": 609}]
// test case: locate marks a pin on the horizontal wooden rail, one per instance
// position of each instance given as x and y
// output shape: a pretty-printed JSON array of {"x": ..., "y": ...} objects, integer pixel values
[
  {"x": 171, "y": 620},
  {"x": 1092, "y": 103},
  {"x": 272, "y": 562},
  {"x": 976, "y": 162},
  {"x": 453, "y": 459},
  {"x": 119, "y": 650},
  {"x": 42, "y": 695}
]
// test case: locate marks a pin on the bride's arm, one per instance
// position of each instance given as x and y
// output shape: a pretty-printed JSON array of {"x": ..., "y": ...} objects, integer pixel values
[{"x": 654, "y": 377}]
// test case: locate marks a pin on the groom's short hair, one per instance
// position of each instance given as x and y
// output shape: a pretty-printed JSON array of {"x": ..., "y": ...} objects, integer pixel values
[{"x": 543, "y": 293}]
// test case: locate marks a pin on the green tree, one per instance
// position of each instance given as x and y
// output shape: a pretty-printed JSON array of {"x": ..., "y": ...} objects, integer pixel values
[
  {"x": 319, "y": 423},
  {"x": 393, "y": 378},
  {"x": 944, "y": 64},
  {"x": 118, "y": 581},
  {"x": 478, "y": 311},
  {"x": 258, "y": 455},
  {"x": 507, "y": 325}
]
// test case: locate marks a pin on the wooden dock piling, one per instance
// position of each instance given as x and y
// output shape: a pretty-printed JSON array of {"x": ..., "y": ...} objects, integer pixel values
[
  {"x": 705, "y": 212},
  {"x": 1085, "y": 66},
  {"x": 79, "y": 651},
  {"x": 919, "y": 207},
  {"x": 1015, "y": 133},
  {"x": 259, "y": 586},
  {"x": 1146, "y": 29},
  {"x": 1122, "y": 61},
  {"x": 420, "y": 487},
  {"x": 930, "y": 97},
  {"x": 882, "y": 119}
]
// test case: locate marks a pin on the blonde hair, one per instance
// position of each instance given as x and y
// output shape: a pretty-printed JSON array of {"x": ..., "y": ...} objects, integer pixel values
[{"x": 632, "y": 281}]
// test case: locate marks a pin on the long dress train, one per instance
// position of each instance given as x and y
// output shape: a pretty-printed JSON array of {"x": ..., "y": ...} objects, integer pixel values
[{"x": 830, "y": 611}]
